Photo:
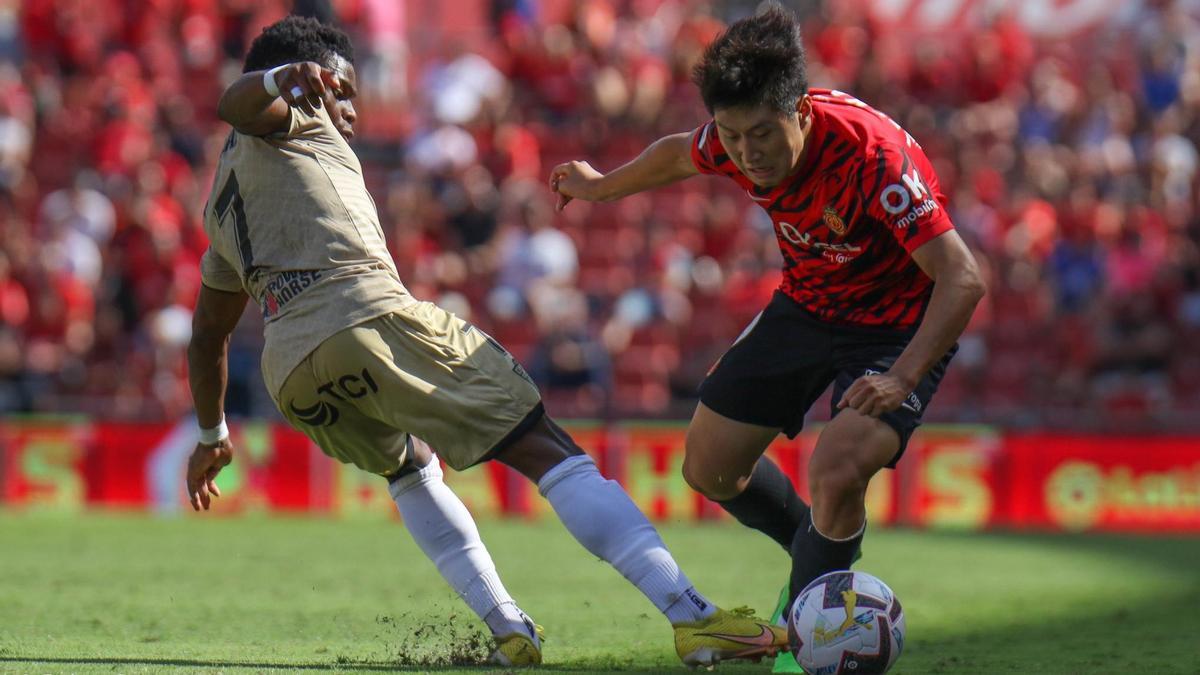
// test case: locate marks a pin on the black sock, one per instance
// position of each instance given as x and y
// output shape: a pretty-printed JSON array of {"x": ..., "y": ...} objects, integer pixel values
[
  {"x": 769, "y": 504},
  {"x": 813, "y": 554}
]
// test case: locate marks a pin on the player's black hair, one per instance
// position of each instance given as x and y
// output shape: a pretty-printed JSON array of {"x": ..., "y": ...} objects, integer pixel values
[
  {"x": 756, "y": 61},
  {"x": 295, "y": 39}
]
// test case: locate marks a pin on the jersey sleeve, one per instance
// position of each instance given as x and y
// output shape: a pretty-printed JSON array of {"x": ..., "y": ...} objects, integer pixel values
[
  {"x": 301, "y": 124},
  {"x": 903, "y": 193},
  {"x": 218, "y": 274},
  {"x": 705, "y": 148}
]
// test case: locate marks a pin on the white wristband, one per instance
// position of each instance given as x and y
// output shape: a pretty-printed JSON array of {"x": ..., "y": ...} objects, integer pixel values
[
  {"x": 269, "y": 82},
  {"x": 214, "y": 435}
]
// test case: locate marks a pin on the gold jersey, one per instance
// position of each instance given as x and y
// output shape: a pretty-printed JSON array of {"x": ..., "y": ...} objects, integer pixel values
[{"x": 290, "y": 221}]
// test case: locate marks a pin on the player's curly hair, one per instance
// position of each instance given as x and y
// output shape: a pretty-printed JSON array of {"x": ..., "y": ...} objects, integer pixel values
[
  {"x": 295, "y": 39},
  {"x": 756, "y": 61}
]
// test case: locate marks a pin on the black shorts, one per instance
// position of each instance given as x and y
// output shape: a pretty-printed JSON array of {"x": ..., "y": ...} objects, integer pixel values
[{"x": 786, "y": 359}]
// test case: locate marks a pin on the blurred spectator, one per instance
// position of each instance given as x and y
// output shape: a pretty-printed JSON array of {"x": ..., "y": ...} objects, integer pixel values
[
  {"x": 1076, "y": 268},
  {"x": 384, "y": 69},
  {"x": 531, "y": 252},
  {"x": 463, "y": 86},
  {"x": 81, "y": 207},
  {"x": 16, "y": 144},
  {"x": 570, "y": 365}
]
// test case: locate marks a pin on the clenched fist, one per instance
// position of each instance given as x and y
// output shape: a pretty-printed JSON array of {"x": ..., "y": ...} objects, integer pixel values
[{"x": 574, "y": 180}]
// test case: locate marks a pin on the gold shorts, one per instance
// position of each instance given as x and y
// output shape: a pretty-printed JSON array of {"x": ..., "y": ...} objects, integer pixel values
[{"x": 421, "y": 371}]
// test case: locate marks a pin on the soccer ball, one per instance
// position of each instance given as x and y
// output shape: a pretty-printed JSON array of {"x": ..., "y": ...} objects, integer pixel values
[{"x": 846, "y": 622}]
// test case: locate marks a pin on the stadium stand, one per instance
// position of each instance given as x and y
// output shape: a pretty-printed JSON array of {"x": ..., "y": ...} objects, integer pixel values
[{"x": 1071, "y": 165}]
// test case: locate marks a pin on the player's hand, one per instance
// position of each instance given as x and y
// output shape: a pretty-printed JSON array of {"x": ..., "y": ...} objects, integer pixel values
[
  {"x": 305, "y": 85},
  {"x": 574, "y": 179},
  {"x": 874, "y": 395},
  {"x": 203, "y": 466}
]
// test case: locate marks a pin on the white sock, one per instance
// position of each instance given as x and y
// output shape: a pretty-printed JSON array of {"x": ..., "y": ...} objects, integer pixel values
[
  {"x": 445, "y": 531},
  {"x": 599, "y": 514}
]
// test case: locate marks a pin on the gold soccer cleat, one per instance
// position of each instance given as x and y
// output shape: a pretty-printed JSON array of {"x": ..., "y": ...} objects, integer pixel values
[
  {"x": 519, "y": 649},
  {"x": 726, "y": 635}
]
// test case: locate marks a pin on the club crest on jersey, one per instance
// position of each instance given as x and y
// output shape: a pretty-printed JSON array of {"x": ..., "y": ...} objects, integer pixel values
[{"x": 833, "y": 221}]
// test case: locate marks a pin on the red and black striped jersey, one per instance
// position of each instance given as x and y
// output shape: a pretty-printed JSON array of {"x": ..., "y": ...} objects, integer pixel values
[{"x": 864, "y": 198}]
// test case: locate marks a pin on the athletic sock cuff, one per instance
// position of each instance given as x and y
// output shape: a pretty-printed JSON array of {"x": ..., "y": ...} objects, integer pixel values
[
  {"x": 485, "y": 590},
  {"x": 431, "y": 471},
  {"x": 858, "y": 534},
  {"x": 577, "y": 464},
  {"x": 663, "y": 582}
]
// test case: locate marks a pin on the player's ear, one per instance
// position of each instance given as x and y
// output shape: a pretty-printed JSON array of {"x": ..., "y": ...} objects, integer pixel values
[{"x": 804, "y": 108}]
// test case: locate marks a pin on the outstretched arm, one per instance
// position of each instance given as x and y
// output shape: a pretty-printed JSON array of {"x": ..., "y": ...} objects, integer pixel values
[
  {"x": 667, "y": 160},
  {"x": 957, "y": 288},
  {"x": 217, "y": 313},
  {"x": 251, "y": 108}
]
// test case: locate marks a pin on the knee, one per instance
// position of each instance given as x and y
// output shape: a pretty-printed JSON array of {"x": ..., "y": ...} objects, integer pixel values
[
  {"x": 540, "y": 449},
  {"x": 837, "y": 481},
  {"x": 710, "y": 483},
  {"x": 720, "y": 454},
  {"x": 693, "y": 475}
]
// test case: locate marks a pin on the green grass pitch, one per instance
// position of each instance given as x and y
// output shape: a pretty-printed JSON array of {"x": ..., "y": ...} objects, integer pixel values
[{"x": 206, "y": 594}]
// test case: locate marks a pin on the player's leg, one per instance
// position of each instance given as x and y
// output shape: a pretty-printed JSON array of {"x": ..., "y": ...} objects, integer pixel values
[
  {"x": 322, "y": 398},
  {"x": 768, "y": 502},
  {"x": 602, "y": 517},
  {"x": 724, "y": 461},
  {"x": 443, "y": 527},
  {"x": 850, "y": 450},
  {"x": 762, "y": 386}
]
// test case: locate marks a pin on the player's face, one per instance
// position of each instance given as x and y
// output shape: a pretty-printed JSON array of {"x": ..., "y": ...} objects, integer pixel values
[
  {"x": 763, "y": 143},
  {"x": 342, "y": 112}
]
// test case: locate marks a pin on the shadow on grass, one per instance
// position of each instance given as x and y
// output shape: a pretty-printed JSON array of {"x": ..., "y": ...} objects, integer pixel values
[
  {"x": 1173, "y": 551},
  {"x": 1143, "y": 634}
]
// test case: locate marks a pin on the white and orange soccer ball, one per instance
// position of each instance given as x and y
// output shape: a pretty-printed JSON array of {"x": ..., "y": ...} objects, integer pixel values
[{"x": 846, "y": 623}]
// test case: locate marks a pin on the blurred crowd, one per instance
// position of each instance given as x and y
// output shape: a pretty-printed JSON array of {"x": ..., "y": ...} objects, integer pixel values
[{"x": 1071, "y": 166}]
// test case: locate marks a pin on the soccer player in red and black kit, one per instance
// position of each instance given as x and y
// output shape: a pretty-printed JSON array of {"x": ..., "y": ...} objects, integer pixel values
[{"x": 877, "y": 287}]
